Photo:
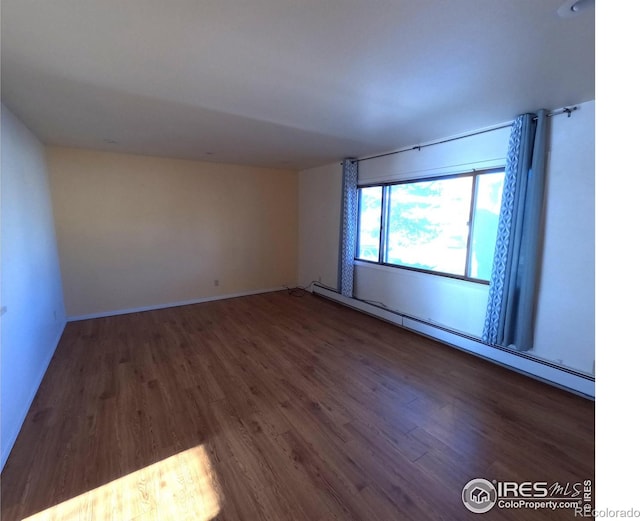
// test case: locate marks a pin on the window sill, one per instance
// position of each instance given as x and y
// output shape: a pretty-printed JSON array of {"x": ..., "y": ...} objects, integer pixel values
[{"x": 416, "y": 272}]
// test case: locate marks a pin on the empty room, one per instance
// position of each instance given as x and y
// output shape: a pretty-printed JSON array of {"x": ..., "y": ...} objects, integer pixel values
[{"x": 294, "y": 260}]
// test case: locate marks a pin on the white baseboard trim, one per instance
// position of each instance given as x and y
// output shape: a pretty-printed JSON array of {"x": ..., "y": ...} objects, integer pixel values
[
  {"x": 520, "y": 362},
  {"x": 14, "y": 435},
  {"x": 115, "y": 312}
]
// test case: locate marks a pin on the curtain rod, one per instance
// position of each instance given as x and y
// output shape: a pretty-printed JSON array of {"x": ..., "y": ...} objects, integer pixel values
[{"x": 565, "y": 110}]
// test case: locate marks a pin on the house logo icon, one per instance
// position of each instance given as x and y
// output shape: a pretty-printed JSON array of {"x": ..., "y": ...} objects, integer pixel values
[{"x": 479, "y": 496}]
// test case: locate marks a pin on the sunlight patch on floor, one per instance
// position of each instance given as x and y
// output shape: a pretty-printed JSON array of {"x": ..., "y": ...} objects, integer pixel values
[{"x": 182, "y": 487}]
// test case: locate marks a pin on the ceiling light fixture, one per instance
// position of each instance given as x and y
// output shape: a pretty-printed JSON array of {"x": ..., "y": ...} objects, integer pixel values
[{"x": 573, "y": 8}]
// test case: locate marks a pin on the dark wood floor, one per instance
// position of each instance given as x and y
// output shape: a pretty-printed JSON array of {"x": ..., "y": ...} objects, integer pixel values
[{"x": 296, "y": 408}]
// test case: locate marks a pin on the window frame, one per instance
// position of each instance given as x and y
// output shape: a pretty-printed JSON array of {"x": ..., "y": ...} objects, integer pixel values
[{"x": 384, "y": 222}]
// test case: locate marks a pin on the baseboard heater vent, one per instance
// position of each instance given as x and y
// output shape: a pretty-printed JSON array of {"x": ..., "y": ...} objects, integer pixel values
[{"x": 524, "y": 363}]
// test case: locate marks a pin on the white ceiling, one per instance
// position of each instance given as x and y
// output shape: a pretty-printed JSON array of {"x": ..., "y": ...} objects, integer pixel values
[{"x": 285, "y": 83}]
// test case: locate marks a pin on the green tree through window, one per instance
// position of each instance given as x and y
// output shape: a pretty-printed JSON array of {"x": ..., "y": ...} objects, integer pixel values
[{"x": 427, "y": 224}]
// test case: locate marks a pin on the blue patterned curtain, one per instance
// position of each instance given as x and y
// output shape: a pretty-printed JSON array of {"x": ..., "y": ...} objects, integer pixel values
[
  {"x": 349, "y": 231},
  {"x": 514, "y": 277}
]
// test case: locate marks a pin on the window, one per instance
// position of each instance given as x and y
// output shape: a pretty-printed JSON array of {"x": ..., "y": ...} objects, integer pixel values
[
  {"x": 445, "y": 225},
  {"x": 370, "y": 209}
]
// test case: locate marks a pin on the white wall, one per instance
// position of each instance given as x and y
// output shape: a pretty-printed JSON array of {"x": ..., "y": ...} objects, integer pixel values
[
  {"x": 565, "y": 322},
  {"x": 480, "y": 151},
  {"x": 31, "y": 294},
  {"x": 565, "y": 328},
  {"x": 319, "y": 196}
]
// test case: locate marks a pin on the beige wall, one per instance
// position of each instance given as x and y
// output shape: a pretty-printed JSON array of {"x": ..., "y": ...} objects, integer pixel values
[{"x": 136, "y": 231}]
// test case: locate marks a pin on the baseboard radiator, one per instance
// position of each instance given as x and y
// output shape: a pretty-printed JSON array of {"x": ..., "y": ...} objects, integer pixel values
[{"x": 524, "y": 363}]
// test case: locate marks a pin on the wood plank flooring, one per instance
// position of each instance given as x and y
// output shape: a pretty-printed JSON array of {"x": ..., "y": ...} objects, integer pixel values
[{"x": 278, "y": 407}]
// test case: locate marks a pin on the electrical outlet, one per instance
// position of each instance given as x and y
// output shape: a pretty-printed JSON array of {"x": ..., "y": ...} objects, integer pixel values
[{"x": 216, "y": 283}]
